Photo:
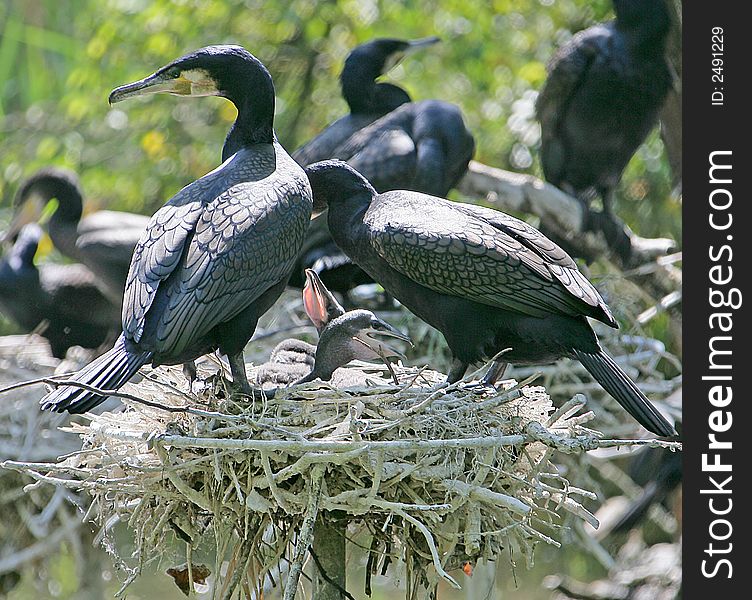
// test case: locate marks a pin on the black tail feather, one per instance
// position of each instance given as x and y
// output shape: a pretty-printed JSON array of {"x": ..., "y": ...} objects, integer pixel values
[
  {"x": 637, "y": 509},
  {"x": 617, "y": 383},
  {"x": 108, "y": 372}
]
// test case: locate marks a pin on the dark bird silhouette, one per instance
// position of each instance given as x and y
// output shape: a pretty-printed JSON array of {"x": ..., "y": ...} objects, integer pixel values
[
  {"x": 61, "y": 302},
  {"x": 603, "y": 94},
  {"x": 423, "y": 146},
  {"x": 219, "y": 253},
  {"x": 659, "y": 471},
  {"x": 103, "y": 240},
  {"x": 367, "y": 99},
  {"x": 343, "y": 336},
  {"x": 487, "y": 281}
]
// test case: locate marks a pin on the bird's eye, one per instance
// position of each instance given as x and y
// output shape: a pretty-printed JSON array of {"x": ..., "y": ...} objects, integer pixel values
[{"x": 173, "y": 73}]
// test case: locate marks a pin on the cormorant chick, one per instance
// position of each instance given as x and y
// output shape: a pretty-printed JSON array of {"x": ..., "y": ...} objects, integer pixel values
[{"x": 343, "y": 336}]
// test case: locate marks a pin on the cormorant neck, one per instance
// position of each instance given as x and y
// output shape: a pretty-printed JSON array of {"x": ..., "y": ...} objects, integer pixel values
[
  {"x": 364, "y": 96},
  {"x": 70, "y": 203},
  {"x": 644, "y": 26},
  {"x": 255, "y": 103}
]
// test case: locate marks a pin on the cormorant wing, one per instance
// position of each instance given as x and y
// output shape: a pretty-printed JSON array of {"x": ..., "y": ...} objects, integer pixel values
[
  {"x": 560, "y": 264},
  {"x": 383, "y": 152},
  {"x": 245, "y": 243},
  {"x": 322, "y": 147},
  {"x": 214, "y": 248},
  {"x": 72, "y": 289},
  {"x": 452, "y": 249},
  {"x": 567, "y": 72}
]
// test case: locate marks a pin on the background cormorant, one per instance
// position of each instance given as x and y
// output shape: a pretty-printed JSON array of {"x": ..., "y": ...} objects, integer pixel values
[
  {"x": 487, "y": 281},
  {"x": 423, "y": 146},
  {"x": 103, "y": 240},
  {"x": 604, "y": 91},
  {"x": 366, "y": 99},
  {"x": 219, "y": 253},
  {"x": 63, "y": 303}
]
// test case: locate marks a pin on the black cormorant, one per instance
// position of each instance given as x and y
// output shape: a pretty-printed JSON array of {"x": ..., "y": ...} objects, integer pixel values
[
  {"x": 62, "y": 302},
  {"x": 367, "y": 99},
  {"x": 103, "y": 240},
  {"x": 343, "y": 336},
  {"x": 219, "y": 253},
  {"x": 604, "y": 91},
  {"x": 423, "y": 146},
  {"x": 487, "y": 281}
]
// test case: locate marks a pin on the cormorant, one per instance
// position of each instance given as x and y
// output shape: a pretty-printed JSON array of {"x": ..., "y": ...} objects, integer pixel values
[
  {"x": 603, "y": 94},
  {"x": 343, "y": 336},
  {"x": 423, "y": 146},
  {"x": 219, "y": 253},
  {"x": 103, "y": 240},
  {"x": 62, "y": 302},
  {"x": 487, "y": 281},
  {"x": 366, "y": 99}
]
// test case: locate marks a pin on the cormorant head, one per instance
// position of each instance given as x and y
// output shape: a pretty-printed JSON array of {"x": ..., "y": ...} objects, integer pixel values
[
  {"x": 228, "y": 71},
  {"x": 649, "y": 18},
  {"x": 344, "y": 336},
  {"x": 320, "y": 304},
  {"x": 52, "y": 192},
  {"x": 24, "y": 248},
  {"x": 334, "y": 181},
  {"x": 368, "y": 62},
  {"x": 356, "y": 335}
]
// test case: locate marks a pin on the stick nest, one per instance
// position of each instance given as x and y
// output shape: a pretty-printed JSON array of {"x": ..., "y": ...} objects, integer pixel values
[{"x": 437, "y": 476}]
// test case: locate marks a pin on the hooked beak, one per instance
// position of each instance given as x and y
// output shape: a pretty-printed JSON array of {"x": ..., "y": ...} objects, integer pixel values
[
  {"x": 422, "y": 43},
  {"x": 373, "y": 339},
  {"x": 28, "y": 212},
  {"x": 153, "y": 84},
  {"x": 412, "y": 46}
]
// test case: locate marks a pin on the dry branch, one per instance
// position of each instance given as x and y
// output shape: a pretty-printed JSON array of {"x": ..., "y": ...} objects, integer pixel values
[
  {"x": 409, "y": 463},
  {"x": 562, "y": 215}
]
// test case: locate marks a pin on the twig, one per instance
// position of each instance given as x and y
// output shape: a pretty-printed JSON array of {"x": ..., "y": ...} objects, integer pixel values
[{"x": 305, "y": 535}]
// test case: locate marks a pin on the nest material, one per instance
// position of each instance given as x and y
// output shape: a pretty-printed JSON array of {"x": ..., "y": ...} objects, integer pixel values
[
  {"x": 439, "y": 476},
  {"x": 35, "y": 518}
]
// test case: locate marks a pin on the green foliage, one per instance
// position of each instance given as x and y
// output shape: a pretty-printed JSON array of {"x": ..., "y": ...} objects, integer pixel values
[{"x": 59, "y": 60}]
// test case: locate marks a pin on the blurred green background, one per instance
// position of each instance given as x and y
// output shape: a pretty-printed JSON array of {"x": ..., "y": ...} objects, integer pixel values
[{"x": 60, "y": 59}]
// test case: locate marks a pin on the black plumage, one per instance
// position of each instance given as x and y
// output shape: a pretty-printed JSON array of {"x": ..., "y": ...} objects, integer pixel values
[
  {"x": 366, "y": 98},
  {"x": 219, "y": 253},
  {"x": 423, "y": 146},
  {"x": 603, "y": 95},
  {"x": 343, "y": 336},
  {"x": 63, "y": 303},
  {"x": 103, "y": 240},
  {"x": 487, "y": 281}
]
